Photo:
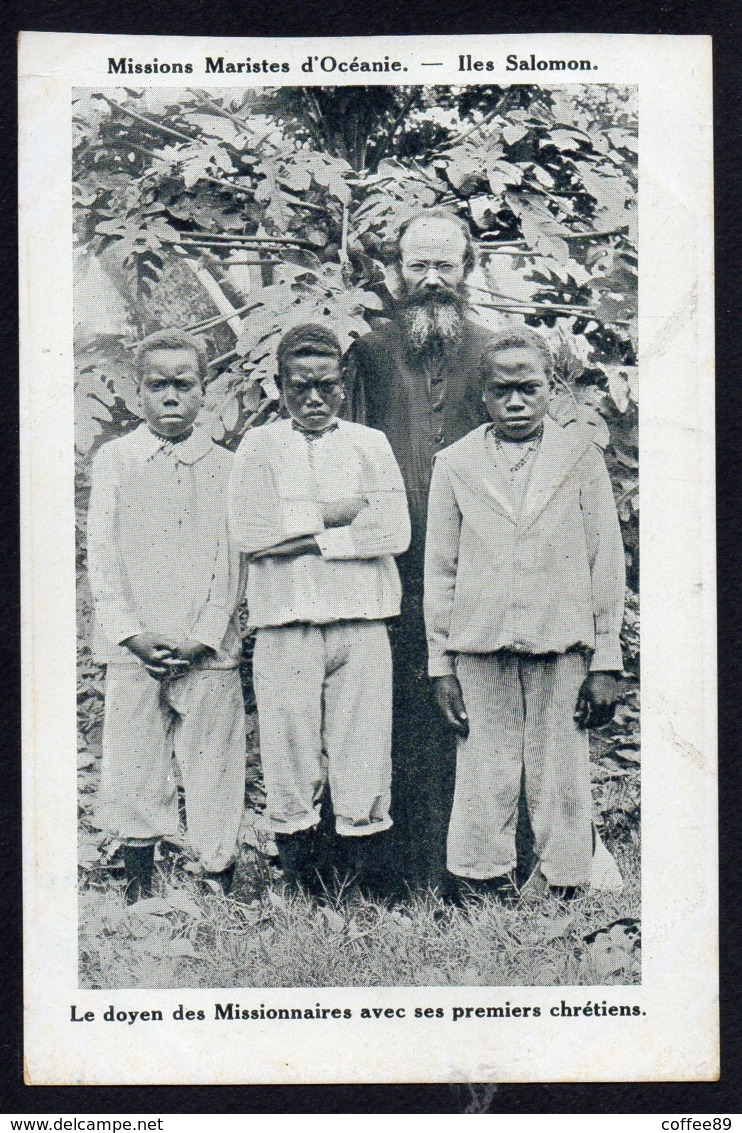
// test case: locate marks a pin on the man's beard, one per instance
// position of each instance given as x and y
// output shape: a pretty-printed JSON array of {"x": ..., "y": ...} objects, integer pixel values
[{"x": 431, "y": 317}]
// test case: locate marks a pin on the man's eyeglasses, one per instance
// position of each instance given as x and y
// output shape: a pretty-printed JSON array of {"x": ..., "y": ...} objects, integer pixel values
[{"x": 422, "y": 267}]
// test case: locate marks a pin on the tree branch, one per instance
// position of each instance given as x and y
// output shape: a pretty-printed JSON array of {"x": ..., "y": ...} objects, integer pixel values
[
  {"x": 526, "y": 308},
  {"x": 223, "y": 358},
  {"x": 260, "y": 243},
  {"x": 216, "y": 320},
  {"x": 572, "y": 308},
  {"x": 457, "y": 140},
  {"x": 149, "y": 121},
  {"x": 343, "y": 253},
  {"x": 220, "y": 110}
]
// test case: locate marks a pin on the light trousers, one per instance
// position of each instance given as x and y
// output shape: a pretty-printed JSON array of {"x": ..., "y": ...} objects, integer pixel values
[
  {"x": 199, "y": 718},
  {"x": 324, "y": 695},
  {"x": 520, "y": 710}
]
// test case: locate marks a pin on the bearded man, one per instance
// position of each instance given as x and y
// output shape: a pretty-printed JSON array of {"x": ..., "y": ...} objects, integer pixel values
[{"x": 416, "y": 380}]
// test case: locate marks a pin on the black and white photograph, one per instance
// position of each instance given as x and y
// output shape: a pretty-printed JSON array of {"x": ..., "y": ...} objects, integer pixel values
[
  {"x": 349, "y": 451},
  {"x": 356, "y": 367}
]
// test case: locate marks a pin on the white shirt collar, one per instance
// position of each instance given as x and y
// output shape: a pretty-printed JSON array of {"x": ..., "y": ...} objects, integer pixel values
[{"x": 186, "y": 452}]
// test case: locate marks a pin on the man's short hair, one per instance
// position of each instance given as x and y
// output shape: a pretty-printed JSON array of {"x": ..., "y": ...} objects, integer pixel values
[
  {"x": 305, "y": 341},
  {"x": 524, "y": 339},
  {"x": 438, "y": 213},
  {"x": 172, "y": 339}
]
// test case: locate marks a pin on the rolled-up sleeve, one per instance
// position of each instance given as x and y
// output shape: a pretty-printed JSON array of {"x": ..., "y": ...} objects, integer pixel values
[
  {"x": 441, "y": 561},
  {"x": 259, "y": 519},
  {"x": 382, "y": 526}
]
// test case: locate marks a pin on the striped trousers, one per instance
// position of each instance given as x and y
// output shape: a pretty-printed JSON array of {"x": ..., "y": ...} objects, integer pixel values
[{"x": 520, "y": 710}]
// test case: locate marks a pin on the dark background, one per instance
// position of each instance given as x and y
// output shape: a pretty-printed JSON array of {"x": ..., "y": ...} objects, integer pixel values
[{"x": 390, "y": 17}]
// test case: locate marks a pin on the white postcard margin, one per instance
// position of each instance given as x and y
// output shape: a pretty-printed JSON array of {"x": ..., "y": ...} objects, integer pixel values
[{"x": 676, "y": 1036}]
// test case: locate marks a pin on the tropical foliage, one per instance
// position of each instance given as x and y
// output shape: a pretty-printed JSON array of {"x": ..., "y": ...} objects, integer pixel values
[{"x": 237, "y": 214}]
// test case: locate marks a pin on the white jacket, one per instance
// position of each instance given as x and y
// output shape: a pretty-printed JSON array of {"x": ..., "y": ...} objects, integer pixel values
[{"x": 545, "y": 581}]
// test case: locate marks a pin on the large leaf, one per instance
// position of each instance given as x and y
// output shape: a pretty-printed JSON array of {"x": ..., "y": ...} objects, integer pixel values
[
  {"x": 269, "y": 193},
  {"x": 330, "y": 172},
  {"x": 541, "y": 230},
  {"x": 514, "y": 132},
  {"x": 462, "y": 169},
  {"x": 297, "y": 178},
  {"x": 567, "y": 139},
  {"x": 195, "y": 168},
  {"x": 619, "y": 385},
  {"x": 214, "y": 125}
]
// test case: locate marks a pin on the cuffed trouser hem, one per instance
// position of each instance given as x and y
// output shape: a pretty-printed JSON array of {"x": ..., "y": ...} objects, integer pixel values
[
  {"x": 294, "y": 826},
  {"x": 349, "y": 830},
  {"x": 344, "y": 828},
  {"x": 324, "y": 697},
  {"x": 484, "y": 875}
]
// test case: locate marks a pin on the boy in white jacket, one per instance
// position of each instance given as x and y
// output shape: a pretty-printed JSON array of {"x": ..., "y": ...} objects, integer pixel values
[
  {"x": 166, "y": 583},
  {"x": 524, "y": 590}
]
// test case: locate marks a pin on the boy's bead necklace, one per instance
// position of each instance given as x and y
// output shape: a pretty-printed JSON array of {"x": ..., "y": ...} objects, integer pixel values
[
  {"x": 167, "y": 444},
  {"x": 313, "y": 434},
  {"x": 532, "y": 445}
]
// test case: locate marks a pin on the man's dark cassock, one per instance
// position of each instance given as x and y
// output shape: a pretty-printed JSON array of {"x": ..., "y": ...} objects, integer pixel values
[{"x": 422, "y": 404}]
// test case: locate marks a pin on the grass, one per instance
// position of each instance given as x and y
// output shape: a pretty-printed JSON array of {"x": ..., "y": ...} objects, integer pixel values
[
  {"x": 187, "y": 938},
  {"x": 262, "y": 938}
]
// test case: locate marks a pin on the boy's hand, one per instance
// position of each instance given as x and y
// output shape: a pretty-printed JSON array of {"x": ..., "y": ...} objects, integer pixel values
[
  {"x": 596, "y": 700},
  {"x": 156, "y": 653},
  {"x": 451, "y": 703},
  {"x": 340, "y": 513},
  {"x": 186, "y": 654}
]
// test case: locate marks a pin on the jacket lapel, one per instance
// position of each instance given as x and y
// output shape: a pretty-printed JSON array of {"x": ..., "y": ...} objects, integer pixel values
[
  {"x": 559, "y": 451},
  {"x": 476, "y": 469}
]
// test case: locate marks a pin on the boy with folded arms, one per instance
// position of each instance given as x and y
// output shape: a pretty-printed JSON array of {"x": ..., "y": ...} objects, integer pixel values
[{"x": 319, "y": 506}]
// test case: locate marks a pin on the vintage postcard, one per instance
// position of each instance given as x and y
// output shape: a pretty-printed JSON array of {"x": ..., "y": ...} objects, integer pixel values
[{"x": 369, "y": 639}]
